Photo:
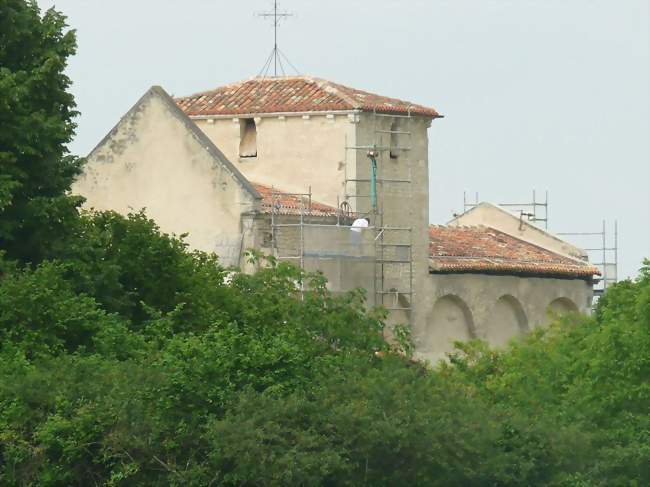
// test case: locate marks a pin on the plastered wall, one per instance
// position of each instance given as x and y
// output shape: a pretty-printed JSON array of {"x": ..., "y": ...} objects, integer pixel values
[
  {"x": 293, "y": 152},
  {"x": 152, "y": 161},
  {"x": 492, "y": 308}
]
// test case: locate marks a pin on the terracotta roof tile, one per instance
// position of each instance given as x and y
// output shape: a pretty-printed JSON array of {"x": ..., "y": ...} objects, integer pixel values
[
  {"x": 292, "y": 94},
  {"x": 487, "y": 250},
  {"x": 289, "y": 204}
]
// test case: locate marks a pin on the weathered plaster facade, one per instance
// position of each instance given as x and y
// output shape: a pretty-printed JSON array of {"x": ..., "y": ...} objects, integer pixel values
[
  {"x": 318, "y": 151},
  {"x": 159, "y": 159},
  {"x": 156, "y": 159},
  {"x": 493, "y": 308},
  {"x": 294, "y": 151}
]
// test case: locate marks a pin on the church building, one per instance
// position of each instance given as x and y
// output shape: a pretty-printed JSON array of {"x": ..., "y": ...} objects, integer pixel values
[{"x": 286, "y": 165}]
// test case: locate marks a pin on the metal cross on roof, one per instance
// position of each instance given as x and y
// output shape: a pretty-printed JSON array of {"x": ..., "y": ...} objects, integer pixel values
[{"x": 276, "y": 54}]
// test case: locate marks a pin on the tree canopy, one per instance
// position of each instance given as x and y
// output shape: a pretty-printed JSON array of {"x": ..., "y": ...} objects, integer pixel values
[
  {"x": 132, "y": 361},
  {"x": 127, "y": 359},
  {"x": 36, "y": 117}
]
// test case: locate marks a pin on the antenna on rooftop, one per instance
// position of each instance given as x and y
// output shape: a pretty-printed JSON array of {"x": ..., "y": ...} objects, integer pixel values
[{"x": 276, "y": 56}]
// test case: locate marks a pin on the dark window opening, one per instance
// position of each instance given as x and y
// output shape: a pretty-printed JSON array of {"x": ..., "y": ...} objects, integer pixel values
[
  {"x": 248, "y": 138},
  {"x": 394, "y": 140}
]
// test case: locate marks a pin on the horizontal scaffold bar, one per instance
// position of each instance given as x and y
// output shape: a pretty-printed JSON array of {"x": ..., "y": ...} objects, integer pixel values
[
  {"x": 379, "y": 180},
  {"x": 382, "y": 148},
  {"x": 333, "y": 225},
  {"x": 398, "y": 132}
]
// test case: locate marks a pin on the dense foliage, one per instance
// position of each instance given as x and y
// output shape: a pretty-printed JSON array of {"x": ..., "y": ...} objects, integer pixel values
[
  {"x": 36, "y": 121},
  {"x": 234, "y": 379},
  {"x": 126, "y": 359}
]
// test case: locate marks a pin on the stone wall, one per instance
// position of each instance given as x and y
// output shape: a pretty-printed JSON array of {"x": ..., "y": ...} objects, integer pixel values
[{"x": 492, "y": 308}]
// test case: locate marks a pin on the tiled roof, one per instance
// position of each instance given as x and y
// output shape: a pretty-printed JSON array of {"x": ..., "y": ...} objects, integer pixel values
[
  {"x": 289, "y": 204},
  {"x": 486, "y": 250},
  {"x": 292, "y": 94}
]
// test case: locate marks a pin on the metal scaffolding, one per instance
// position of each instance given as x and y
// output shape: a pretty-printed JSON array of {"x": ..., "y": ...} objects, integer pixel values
[
  {"x": 393, "y": 275},
  {"x": 603, "y": 247},
  {"x": 320, "y": 244},
  {"x": 535, "y": 211},
  {"x": 382, "y": 253}
]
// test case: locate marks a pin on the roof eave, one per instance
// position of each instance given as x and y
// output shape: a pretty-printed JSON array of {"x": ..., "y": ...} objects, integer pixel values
[{"x": 543, "y": 274}]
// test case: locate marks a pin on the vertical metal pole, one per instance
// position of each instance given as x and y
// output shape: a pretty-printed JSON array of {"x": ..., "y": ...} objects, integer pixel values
[
  {"x": 604, "y": 258},
  {"x": 616, "y": 250},
  {"x": 534, "y": 208},
  {"x": 411, "y": 294},
  {"x": 373, "y": 184},
  {"x": 302, "y": 237},
  {"x": 273, "y": 238},
  {"x": 338, "y": 211},
  {"x": 302, "y": 247},
  {"x": 546, "y": 210},
  {"x": 345, "y": 170}
]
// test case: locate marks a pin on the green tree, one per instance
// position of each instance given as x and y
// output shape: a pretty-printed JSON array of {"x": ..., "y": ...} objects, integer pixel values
[
  {"x": 126, "y": 359},
  {"x": 36, "y": 123},
  {"x": 589, "y": 375}
]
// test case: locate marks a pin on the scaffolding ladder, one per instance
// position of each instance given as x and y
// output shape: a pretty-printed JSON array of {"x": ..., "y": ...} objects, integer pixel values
[{"x": 393, "y": 275}]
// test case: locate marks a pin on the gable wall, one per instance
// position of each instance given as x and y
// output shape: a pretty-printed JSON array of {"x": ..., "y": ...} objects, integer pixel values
[{"x": 151, "y": 160}]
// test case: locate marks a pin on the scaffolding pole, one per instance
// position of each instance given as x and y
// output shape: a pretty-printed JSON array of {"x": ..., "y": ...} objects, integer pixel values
[
  {"x": 534, "y": 211},
  {"x": 607, "y": 254},
  {"x": 391, "y": 240}
]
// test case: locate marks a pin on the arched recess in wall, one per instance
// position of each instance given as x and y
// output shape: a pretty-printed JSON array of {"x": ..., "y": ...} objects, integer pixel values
[
  {"x": 559, "y": 307},
  {"x": 506, "y": 320},
  {"x": 449, "y": 320}
]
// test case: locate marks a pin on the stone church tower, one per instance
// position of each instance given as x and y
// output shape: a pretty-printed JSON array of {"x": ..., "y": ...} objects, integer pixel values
[{"x": 297, "y": 133}]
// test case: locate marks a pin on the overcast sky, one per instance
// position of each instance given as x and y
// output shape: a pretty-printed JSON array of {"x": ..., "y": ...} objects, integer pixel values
[{"x": 537, "y": 94}]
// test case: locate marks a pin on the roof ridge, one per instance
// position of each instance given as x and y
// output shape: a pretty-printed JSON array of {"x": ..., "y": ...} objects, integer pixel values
[
  {"x": 242, "y": 82},
  {"x": 297, "y": 94},
  {"x": 326, "y": 84}
]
